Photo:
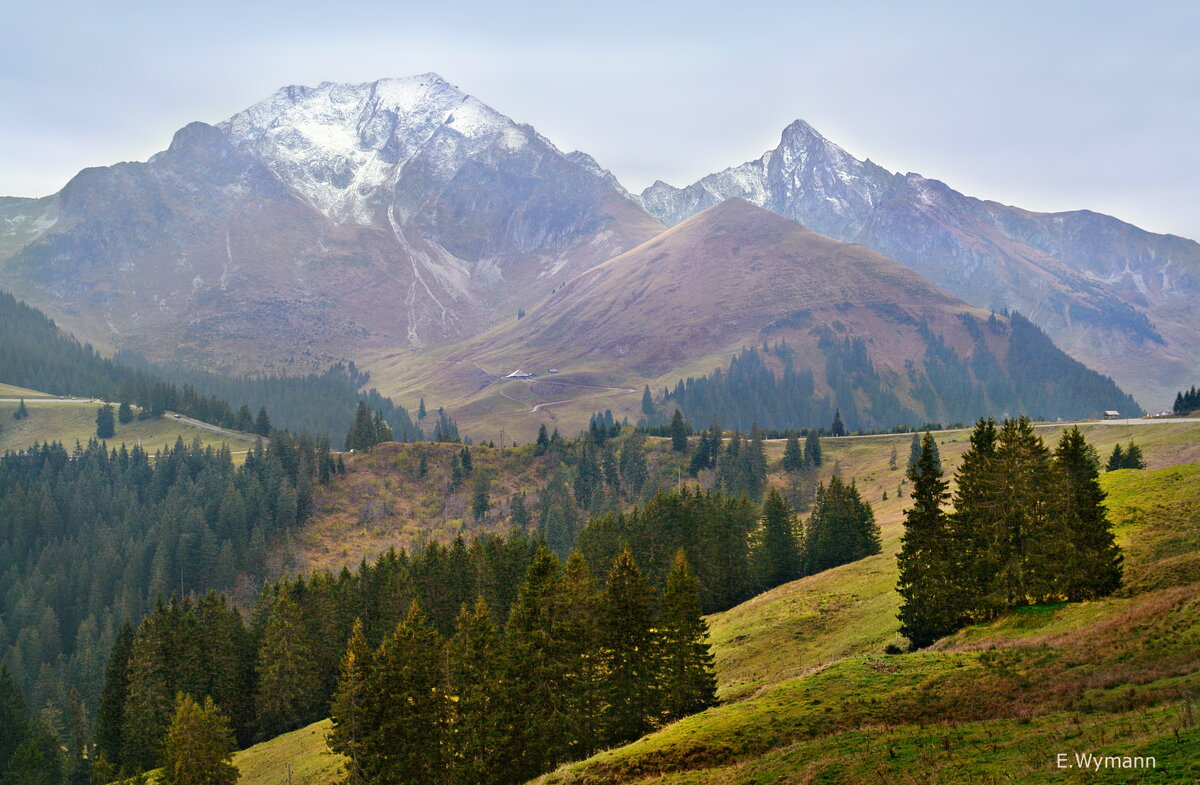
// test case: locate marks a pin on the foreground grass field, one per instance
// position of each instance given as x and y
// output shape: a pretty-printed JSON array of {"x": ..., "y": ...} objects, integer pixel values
[
  {"x": 809, "y": 695},
  {"x": 75, "y": 421}
]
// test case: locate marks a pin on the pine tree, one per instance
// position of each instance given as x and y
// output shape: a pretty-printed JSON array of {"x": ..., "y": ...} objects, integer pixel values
[
  {"x": 421, "y": 413},
  {"x": 536, "y": 669},
  {"x": 577, "y": 629},
  {"x": 1092, "y": 565},
  {"x": 1116, "y": 460},
  {"x": 973, "y": 503},
  {"x": 519, "y": 513},
  {"x": 929, "y": 557},
  {"x": 914, "y": 451},
  {"x": 812, "y": 449},
  {"x": 543, "y": 441},
  {"x": 630, "y": 689},
  {"x": 289, "y": 678},
  {"x": 841, "y": 528},
  {"x": 21, "y": 413},
  {"x": 262, "y": 423},
  {"x": 408, "y": 707},
  {"x": 837, "y": 429},
  {"x": 688, "y": 679},
  {"x": 480, "y": 500},
  {"x": 199, "y": 746},
  {"x": 124, "y": 413},
  {"x": 110, "y": 714},
  {"x": 1133, "y": 457},
  {"x": 349, "y": 731},
  {"x": 105, "y": 422},
  {"x": 679, "y": 432},
  {"x": 778, "y": 554},
  {"x": 480, "y": 728},
  {"x": 647, "y": 402}
]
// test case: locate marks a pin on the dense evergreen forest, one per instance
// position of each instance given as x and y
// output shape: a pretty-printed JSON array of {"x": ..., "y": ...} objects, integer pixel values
[
  {"x": 92, "y": 538},
  {"x": 616, "y": 656},
  {"x": 1028, "y": 527},
  {"x": 763, "y": 386}
]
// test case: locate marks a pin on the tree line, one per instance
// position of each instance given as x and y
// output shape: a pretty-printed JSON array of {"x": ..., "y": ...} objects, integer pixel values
[
  {"x": 1028, "y": 526},
  {"x": 1187, "y": 401}
]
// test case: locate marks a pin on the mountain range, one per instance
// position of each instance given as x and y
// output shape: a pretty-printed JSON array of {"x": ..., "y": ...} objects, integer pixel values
[{"x": 408, "y": 226}]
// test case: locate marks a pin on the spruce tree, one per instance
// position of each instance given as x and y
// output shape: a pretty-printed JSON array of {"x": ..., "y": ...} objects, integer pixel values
[
  {"x": 21, "y": 413},
  {"x": 647, "y": 402},
  {"x": 408, "y": 708},
  {"x": 688, "y": 680},
  {"x": 914, "y": 451},
  {"x": 289, "y": 677},
  {"x": 793, "y": 454},
  {"x": 519, "y": 513},
  {"x": 679, "y": 432},
  {"x": 543, "y": 441},
  {"x": 1116, "y": 460},
  {"x": 536, "y": 669},
  {"x": 421, "y": 413},
  {"x": 105, "y": 422},
  {"x": 838, "y": 428},
  {"x": 631, "y": 653},
  {"x": 577, "y": 629},
  {"x": 1133, "y": 457},
  {"x": 262, "y": 423},
  {"x": 1092, "y": 565},
  {"x": 778, "y": 554},
  {"x": 973, "y": 504},
  {"x": 350, "y": 727},
  {"x": 841, "y": 528},
  {"x": 480, "y": 499},
  {"x": 929, "y": 557},
  {"x": 812, "y": 449},
  {"x": 110, "y": 714},
  {"x": 124, "y": 413},
  {"x": 199, "y": 746},
  {"x": 479, "y": 732}
]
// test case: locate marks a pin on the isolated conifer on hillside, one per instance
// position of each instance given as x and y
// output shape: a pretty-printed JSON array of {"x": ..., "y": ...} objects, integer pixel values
[
  {"x": 812, "y": 449},
  {"x": 105, "y": 422},
  {"x": 929, "y": 558},
  {"x": 838, "y": 428}
]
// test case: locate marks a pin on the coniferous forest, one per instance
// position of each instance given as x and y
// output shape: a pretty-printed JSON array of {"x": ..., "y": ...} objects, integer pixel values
[{"x": 1028, "y": 527}]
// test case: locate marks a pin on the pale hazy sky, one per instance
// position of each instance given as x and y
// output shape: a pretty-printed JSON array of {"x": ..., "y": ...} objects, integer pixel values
[{"x": 1047, "y": 105}]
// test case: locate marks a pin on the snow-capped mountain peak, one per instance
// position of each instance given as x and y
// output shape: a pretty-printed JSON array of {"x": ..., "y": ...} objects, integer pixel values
[{"x": 342, "y": 147}]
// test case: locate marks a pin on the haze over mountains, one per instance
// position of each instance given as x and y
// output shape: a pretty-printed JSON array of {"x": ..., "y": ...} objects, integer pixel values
[
  {"x": 386, "y": 222},
  {"x": 1120, "y": 299}
]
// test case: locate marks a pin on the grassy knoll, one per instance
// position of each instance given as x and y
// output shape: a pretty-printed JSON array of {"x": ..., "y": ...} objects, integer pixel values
[
  {"x": 12, "y": 391},
  {"x": 75, "y": 421}
]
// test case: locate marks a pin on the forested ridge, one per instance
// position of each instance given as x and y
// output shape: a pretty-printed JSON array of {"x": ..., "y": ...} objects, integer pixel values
[
  {"x": 769, "y": 385},
  {"x": 35, "y": 354}
]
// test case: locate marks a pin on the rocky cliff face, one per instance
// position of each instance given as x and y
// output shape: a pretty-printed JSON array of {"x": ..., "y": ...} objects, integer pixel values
[{"x": 1113, "y": 295}]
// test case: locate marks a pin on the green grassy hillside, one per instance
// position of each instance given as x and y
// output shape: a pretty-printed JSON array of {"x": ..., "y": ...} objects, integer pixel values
[
  {"x": 72, "y": 421},
  {"x": 810, "y": 696}
]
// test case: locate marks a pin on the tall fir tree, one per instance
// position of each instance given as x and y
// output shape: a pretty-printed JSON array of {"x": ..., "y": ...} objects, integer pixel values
[
  {"x": 930, "y": 557},
  {"x": 688, "y": 680},
  {"x": 110, "y": 714},
  {"x": 631, "y": 690},
  {"x": 841, "y": 528},
  {"x": 679, "y": 432},
  {"x": 105, "y": 422},
  {"x": 778, "y": 553},
  {"x": 793, "y": 454},
  {"x": 838, "y": 428},
  {"x": 1092, "y": 567},
  {"x": 199, "y": 746},
  {"x": 481, "y": 724},
  {"x": 812, "y": 449},
  {"x": 408, "y": 707},
  {"x": 350, "y": 724},
  {"x": 289, "y": 692}
]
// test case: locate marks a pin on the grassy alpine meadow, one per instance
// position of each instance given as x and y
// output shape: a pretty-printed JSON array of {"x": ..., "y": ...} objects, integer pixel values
[
  {"x": 75, "y": 421},
  {"x": 809, "y": 693}
]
